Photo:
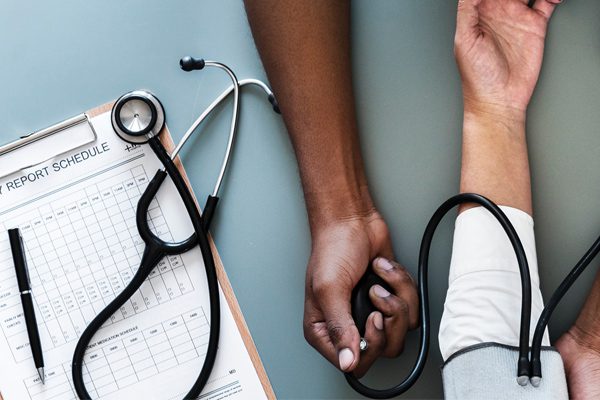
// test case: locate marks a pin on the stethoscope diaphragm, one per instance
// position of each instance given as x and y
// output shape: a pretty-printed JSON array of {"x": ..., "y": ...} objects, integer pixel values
[{"x": 137, "y": 116}]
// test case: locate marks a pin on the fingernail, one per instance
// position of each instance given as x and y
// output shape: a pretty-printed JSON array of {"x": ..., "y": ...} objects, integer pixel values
[
  {"x": 380, "y": 291},
  {"x": 346, "y": 358},
  {"x": 378, "y": 321},
  {"x": 384, "y": 264}
]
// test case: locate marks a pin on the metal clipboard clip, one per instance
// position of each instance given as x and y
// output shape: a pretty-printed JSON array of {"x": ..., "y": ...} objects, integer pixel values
[{"x": 43, "y": 145}]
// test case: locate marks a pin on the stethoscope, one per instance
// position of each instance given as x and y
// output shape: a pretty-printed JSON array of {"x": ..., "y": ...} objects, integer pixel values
[{"x": 138, "y": 117}]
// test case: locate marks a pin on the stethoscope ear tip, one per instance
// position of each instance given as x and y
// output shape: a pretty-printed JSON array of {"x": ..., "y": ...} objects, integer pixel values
[{"x": 189, "y": 63}]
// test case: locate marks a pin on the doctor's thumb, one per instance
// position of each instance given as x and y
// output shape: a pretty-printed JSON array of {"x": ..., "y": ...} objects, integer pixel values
[
  {"x": 344, "y": 335},
  {"x": 337, "y": 337},
  {"x": 346, "y": 359}
]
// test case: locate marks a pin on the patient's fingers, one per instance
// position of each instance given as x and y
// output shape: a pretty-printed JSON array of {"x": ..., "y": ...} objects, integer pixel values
[
  {"x": 546, "y": 7},
  {"x": 467, "y": 17}
]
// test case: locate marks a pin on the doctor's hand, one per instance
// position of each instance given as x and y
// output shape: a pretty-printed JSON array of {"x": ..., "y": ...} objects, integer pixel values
[
  {"x": 340, "y": 255},
  {"x": 499, "y": 47}
]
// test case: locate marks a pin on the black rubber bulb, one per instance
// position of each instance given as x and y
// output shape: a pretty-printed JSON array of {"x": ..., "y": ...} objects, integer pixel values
[{"x": 362, "y": 306}]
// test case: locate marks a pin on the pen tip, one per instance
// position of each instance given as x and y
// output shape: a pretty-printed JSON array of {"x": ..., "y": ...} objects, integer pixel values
[{"x": 41, "y": 373}]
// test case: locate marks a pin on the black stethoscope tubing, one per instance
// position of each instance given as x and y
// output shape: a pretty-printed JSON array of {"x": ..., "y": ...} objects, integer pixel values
[{"x": 154, "y": 251}]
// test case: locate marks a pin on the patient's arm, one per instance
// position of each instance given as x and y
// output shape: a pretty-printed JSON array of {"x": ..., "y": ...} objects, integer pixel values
[
  {"x": 499, "y": 47},
  {"x": 494, "y": 163}
]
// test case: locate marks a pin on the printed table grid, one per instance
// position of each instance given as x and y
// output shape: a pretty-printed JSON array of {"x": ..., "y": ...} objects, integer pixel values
[
  {"x": 129, "y": 359},
  {"x": 81, "y": 253}
]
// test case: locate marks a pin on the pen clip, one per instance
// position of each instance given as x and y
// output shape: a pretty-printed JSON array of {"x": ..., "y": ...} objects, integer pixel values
[{"x": 22, "y": 244}]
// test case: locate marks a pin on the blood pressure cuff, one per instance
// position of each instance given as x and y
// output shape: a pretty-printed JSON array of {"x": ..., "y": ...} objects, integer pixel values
[
  {"x": 483, "y": 302},
  {"x": 489, "y": 371}
]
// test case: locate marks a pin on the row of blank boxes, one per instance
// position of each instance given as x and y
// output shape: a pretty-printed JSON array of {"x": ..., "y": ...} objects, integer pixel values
[
  {"x": 126, "y": 361},
  {"x": 145, "y": 354}
]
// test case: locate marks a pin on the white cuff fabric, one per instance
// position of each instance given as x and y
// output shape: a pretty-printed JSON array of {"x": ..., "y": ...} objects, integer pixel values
[{"x": 483, "y": 303}]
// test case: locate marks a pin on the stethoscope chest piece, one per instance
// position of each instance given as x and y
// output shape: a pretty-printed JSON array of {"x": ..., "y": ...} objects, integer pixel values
[{"x": 138, "y": 116}]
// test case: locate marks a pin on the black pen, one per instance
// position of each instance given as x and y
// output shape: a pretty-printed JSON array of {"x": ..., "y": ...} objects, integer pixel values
[{"x": 18, "y": 254}]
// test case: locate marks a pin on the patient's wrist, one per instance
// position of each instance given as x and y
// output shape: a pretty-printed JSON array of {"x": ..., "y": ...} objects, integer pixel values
[
  {"x": 494, "y": 124},
  {"x": 586, "y": 332},
  {"x": 510, "y": 118},
  {"x": 493, "y": 112}
]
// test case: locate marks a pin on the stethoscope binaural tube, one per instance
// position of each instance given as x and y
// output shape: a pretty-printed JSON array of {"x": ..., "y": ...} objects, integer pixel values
[
  {"x": 219, "y": 100},
  {"x": 523, "y": 360},
  {"x": 212, "y": 200}
]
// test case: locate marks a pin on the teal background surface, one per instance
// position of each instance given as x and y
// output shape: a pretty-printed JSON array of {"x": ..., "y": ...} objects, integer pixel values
[{"x": 61, "y": 58}]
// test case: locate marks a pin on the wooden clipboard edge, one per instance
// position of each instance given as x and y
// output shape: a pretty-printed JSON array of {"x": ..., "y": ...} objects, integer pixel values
[{"x": 167, "y": 141}]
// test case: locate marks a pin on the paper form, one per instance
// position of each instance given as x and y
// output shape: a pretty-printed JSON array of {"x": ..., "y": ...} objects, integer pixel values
[{"x": 77, "y": 218}]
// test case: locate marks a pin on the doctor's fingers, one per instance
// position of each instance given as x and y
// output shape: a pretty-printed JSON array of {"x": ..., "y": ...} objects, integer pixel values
[
  {"x": 395, "y": 319},
  {"x": 402, "y": 285},
  {"x": 376, "y": 343}
]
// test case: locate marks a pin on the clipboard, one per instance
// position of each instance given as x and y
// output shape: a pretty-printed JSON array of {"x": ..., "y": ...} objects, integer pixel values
[{"x": 86, "y": 135}]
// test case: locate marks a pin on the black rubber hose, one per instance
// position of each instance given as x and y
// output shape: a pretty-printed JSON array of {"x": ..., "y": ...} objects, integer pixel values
[
  {"x": 523, "y": 361},
  {"x": 536, "y": 345},
  {"x": 201, "y": 230},
  {"x": 152, "y": 255}
]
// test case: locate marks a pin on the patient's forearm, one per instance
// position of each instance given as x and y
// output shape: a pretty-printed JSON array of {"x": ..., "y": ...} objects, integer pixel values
[{"x": 494, "y": 160}]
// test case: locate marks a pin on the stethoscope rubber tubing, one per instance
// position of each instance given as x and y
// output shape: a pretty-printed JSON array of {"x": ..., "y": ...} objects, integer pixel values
[
  {"x": 201, "y": 230},
  {"x": 153, "y": 254},
  {"x": 146, "y": 233}
]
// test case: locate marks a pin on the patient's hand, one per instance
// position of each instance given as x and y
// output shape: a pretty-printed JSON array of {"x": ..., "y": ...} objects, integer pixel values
[
  {"x": 580, "y": 352},
  {"x": 499, "y": 47}
]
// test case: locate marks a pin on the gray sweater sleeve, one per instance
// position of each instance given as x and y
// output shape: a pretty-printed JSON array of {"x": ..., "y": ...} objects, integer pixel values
[{"x": 489, "y": 371}]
